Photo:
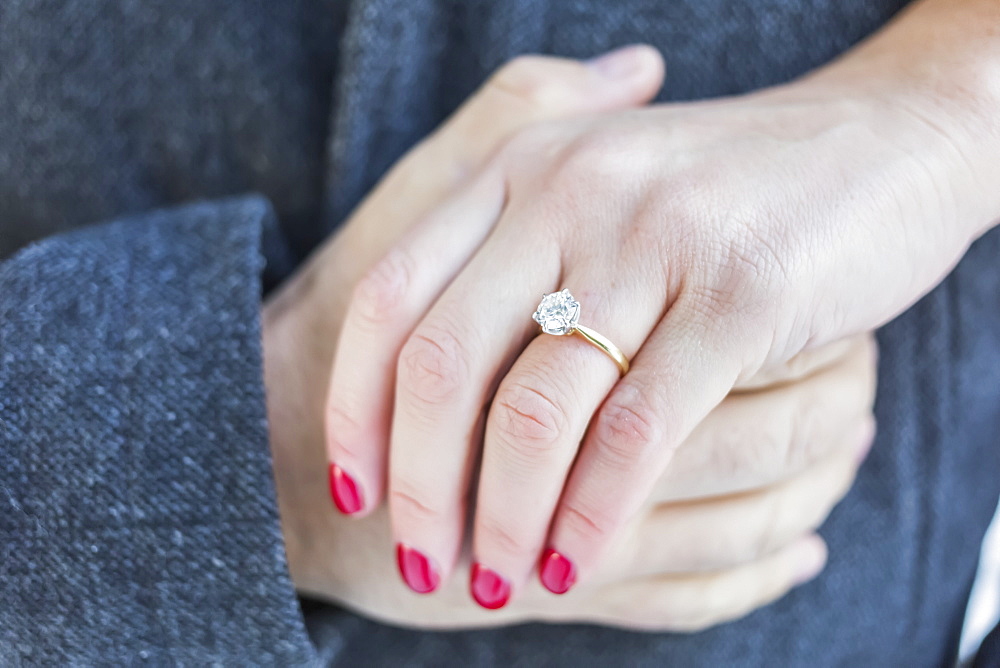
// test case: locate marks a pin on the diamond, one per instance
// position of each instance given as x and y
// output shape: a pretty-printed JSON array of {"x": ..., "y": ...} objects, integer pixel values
[{"x": 558, "y": 313}]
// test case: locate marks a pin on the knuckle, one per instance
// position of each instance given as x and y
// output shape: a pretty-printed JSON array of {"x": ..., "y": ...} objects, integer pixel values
[
  {"x": 524, "y": 147},
  {"x": 524, "y": 81},
  {"x": 592, "y": 163},
  {"x": 380, "y": 293},
  {"x": 605, "y": 151},
  {"x": 749, "y": 276},
  {"x": 431, "y": 367},
  {"x": 527, "y": 420},
  {"x": 627, "y": 428},
  {"x": 594, "y": 526},
  {"x": 755, "y": 252},
  {"x": 409, "y": 504},
  {"x": 341, "y": 430},
  {"x": 715, "y": 302},
  {"x": 495, "y": 535}
]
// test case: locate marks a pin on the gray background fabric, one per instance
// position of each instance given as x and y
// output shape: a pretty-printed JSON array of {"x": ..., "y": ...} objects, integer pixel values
[{"x": 131, "y": 409}]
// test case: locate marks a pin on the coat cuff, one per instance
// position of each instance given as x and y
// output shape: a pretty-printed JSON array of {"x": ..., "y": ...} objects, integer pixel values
[{"x": 139, "y": 519}]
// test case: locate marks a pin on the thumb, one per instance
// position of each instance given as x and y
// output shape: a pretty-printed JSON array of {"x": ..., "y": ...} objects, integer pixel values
[
  {"x": 532, "y": 89},
  {"x": 527, "y": 90}
]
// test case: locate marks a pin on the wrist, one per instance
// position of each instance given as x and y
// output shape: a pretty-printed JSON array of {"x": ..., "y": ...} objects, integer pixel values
[{"x": 933, "y": 76}]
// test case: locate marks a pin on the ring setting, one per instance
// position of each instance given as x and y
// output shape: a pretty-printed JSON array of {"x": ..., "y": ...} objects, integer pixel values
[{"x": 558, "y": 314}]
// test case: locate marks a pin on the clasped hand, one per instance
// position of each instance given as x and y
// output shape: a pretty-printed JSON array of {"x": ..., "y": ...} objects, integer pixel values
[{"x": 730, "y": 249}]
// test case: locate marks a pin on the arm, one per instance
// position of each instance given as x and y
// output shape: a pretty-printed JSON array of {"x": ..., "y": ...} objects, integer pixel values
[{"x": 939, "y": 62}]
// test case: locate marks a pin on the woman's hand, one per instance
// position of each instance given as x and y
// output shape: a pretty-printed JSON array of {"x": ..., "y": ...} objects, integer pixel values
[
  {"x": 302, "y": 319},
  {"x": 726, "y": 530},
  {"x": 711, "y": 241}
]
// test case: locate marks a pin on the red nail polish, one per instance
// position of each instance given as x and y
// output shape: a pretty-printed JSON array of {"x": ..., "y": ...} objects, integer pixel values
[
  {"x": 419, "y": 572},
  {"x": 345, "y": 492},
  {"x": 556, "y": 572},
  {"x": 490, "y": 589}
]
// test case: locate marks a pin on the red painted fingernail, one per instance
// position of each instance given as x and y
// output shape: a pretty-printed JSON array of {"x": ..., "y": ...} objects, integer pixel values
[
  {"x": 419, "y": 572},
  {"x": 345, "y": 492},
  {"x": 490, "y": 589},
  {"x": 556, "y": 572}
]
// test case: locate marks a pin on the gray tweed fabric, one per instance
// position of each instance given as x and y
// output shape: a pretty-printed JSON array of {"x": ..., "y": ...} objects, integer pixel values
[
  {"x": 138, "y": 522},
  {"x": 138, "y": 517}
]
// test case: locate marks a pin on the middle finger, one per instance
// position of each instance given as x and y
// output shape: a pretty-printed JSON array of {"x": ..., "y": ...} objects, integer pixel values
[{"x": 537, "y": 420}]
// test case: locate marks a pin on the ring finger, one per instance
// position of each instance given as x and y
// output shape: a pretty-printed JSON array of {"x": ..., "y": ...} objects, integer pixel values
[{"x": 536, "y": 422}]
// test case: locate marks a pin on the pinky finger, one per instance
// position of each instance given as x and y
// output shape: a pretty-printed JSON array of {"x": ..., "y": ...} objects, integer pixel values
[{"x": 696, "y": 602}]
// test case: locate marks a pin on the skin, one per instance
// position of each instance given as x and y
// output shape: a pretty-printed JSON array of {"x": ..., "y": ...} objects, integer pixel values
[
  {"x": 759, "y": 474},
  {"x": 714, "y": 242}
]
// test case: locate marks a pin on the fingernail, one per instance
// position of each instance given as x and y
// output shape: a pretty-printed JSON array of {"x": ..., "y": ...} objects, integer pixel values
[
  {"x": 345, "y": 492},
  {"x": 490, "y": 589},
  {"x": 865, "y": 442},
  {"x": 617, "y": 64},
  {"x": 813, "y": 560},
  {"x": 419, "y": 572},
  {"x": 556, "y": 572}
]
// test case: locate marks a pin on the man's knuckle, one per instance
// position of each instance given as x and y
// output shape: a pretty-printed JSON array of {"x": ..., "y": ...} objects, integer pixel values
[{"x": 432, "y": 368}]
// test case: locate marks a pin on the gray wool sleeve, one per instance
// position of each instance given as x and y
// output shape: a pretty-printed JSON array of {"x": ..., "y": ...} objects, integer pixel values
[{"x": 137, "y": 509}]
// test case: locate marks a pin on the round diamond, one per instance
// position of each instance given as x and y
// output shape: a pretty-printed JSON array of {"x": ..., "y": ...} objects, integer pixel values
[{"x": 558, "y": 313}]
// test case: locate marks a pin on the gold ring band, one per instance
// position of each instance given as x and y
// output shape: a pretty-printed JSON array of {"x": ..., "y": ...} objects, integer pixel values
[
  {"x": 613, "y": 351},
  {"x": 559, "y": 315}
]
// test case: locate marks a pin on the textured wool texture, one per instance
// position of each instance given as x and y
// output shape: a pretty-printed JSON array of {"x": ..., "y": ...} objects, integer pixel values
[{"x": 138, "y": 520}]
